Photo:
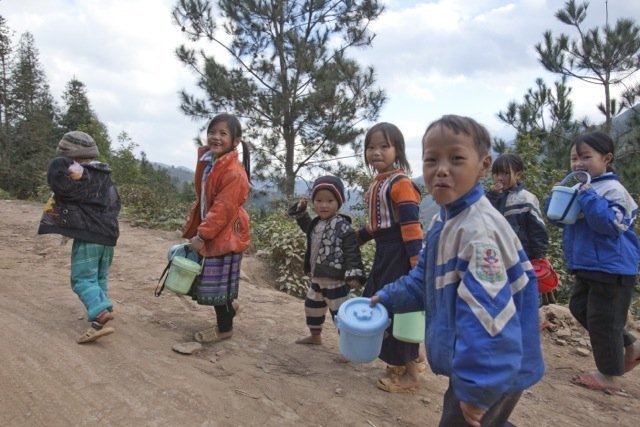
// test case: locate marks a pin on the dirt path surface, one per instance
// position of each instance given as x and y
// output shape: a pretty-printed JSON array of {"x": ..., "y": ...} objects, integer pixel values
[{"x": 258, "y": 378}]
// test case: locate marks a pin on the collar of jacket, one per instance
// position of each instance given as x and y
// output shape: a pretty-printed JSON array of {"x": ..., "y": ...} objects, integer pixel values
[{"x": 457, "y": 206}]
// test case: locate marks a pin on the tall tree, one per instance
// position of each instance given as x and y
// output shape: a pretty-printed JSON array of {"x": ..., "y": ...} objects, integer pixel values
[
  {"x": 80, "y": 116},
  {"x": 607, "y": 56},
  {"x": 5, "y": 58},
  {"x": 289, "y": 78},
  {"x": 32, "y": 116},
  {"x": 546, "y": 115}
]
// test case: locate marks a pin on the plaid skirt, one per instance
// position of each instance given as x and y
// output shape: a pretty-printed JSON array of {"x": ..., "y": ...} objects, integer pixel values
[{"x": 219, "y": 281}]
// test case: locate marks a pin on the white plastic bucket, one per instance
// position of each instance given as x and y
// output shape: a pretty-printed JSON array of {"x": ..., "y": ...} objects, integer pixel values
[
  {"x": 361, "y": 329},
  {"x": 409, "y": 327},
  {"x": 181, "y": 275},
  {"x": 563, "y": 206}
]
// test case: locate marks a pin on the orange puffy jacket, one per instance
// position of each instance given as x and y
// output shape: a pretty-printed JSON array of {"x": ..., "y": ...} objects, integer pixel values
[{"x": 226, "y": 226}]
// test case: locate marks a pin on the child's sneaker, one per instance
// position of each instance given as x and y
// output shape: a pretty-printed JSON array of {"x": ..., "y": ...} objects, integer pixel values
[{"x": 93, "y": 334}]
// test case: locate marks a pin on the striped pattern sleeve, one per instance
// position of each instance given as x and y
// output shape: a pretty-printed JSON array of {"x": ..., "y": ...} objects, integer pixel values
[{"x": 406, "y": 199}]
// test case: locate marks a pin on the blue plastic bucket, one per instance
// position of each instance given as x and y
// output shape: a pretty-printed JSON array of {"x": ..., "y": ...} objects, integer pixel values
[
  {"x": 181, "y": 275},
  {"x": 563, "y": 206},
  {"x": 409, "y": 327},
  {"x": 361, "y": 329}
]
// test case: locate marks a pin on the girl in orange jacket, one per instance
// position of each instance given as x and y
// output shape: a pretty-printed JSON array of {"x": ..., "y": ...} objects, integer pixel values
[{"x": 218, "y": 225}]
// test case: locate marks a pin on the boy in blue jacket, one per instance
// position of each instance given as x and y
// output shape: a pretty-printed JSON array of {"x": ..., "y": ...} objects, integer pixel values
[{"x": 474, "y": 281}]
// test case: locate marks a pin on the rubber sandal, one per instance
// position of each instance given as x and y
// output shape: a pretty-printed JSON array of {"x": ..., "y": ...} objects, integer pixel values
[
  {"x": 421, "y": 367},
  {"x": 392, "y": 385},
  {"x": 395, "y": 371},
  {"x": 589, "y": 381},
  {"x": 630, "y": 364},
  {"x": 209, "y": 336},
  {"x": 92, "y": 334}
]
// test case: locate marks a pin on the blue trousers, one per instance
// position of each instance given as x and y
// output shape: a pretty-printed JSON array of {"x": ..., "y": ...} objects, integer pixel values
[{"x": 90, "y": 264}]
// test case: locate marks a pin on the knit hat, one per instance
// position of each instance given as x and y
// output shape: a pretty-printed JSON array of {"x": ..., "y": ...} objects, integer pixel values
[
  {"x": 331, "y": 183},
  {"x": 76, "y": 144}
]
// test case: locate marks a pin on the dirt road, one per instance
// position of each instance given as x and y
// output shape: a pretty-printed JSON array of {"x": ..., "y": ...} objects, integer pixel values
[{"x": 258, "y": 378}]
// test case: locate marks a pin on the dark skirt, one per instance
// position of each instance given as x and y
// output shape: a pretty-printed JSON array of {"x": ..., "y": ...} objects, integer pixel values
[
  {"x": 389, "y": 263},
  {"x": 219, "y": 281}
]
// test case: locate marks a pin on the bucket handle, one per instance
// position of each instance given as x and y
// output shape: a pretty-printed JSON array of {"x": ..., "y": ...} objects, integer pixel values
[
  {"x": 163, "y": 276},
  {"x": 574, "y": 173},
  {"x": 566, "y": 209}
]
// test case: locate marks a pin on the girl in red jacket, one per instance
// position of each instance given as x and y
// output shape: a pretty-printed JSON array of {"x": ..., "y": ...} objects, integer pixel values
[{"x": 218, "y": 224}]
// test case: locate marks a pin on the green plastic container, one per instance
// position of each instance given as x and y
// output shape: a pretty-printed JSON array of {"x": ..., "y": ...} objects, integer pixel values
[
  {"x": 409, "y": 327},
  {"x": 181, "y": 275}
]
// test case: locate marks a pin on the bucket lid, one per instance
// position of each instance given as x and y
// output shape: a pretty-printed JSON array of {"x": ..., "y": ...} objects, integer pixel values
[{"x": 357, "y": 316}]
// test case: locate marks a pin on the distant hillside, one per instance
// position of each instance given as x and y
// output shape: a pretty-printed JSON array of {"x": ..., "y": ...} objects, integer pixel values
[
  {"x": 178, "y": 173},
  {"x": 623, "y": 123}
]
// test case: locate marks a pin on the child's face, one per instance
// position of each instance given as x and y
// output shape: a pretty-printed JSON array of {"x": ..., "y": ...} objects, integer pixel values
[
  {"x": 587, "y": 159},
  {"x": 380, "y": 153},
  {"x": 506, "y": 180},
  {"x": 325, "y": 204},
  {"x": 451, "y": 165},
  {"x": 219, "y": 139}
]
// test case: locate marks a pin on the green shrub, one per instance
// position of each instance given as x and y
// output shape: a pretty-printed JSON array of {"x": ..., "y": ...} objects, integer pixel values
[
  {"x": 150, "y": 208},
  {"x": 285, "y": 244}
]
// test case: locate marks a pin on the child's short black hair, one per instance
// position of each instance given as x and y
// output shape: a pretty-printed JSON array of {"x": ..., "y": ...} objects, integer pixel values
[
  {"x": 507, "y": 163},
  {"x": 467, "y": 126},
  {"x": 393, "y": 135},
  {"x": 599, "y": 141}
]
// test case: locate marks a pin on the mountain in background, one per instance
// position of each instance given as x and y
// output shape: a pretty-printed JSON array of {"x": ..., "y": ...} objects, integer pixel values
[
  {"x": 180, "y": 174},
  {"x": 621, "y": 124}
]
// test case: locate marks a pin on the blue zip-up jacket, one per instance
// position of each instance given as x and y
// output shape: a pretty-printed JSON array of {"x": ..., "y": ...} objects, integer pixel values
[
  {"x": 602, "y": 238},
  {"x": 480, "y": 295}
]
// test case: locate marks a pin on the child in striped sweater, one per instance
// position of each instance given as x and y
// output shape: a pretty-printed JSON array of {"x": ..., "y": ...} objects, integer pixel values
[{"x": 393, "y": 221}]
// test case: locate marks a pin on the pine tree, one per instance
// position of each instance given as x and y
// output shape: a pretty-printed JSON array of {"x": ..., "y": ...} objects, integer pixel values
[
  {"x": 545, "y": 115},
  {"x": 301, "y": 97},
  {"x": 32, "y": 117},
  {"x": 79, "y": 115},
  {"x": 5, "y": 57},
  {"x": 607, "y": 56}
]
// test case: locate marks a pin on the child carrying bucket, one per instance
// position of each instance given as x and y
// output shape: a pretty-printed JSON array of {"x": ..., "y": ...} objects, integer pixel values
[
  {"x": 393, "y": 222},
  {"x": 602, "y": 252},
  {"x": 218, "y": 224},
  {"x": 521, "y": 208},
  {"x": 473, "y": 280},
  {"x": 332, "y": 258}
]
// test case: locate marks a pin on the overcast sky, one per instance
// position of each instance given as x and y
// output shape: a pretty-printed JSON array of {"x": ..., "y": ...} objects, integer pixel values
[{"x": 469, "y": 57}]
